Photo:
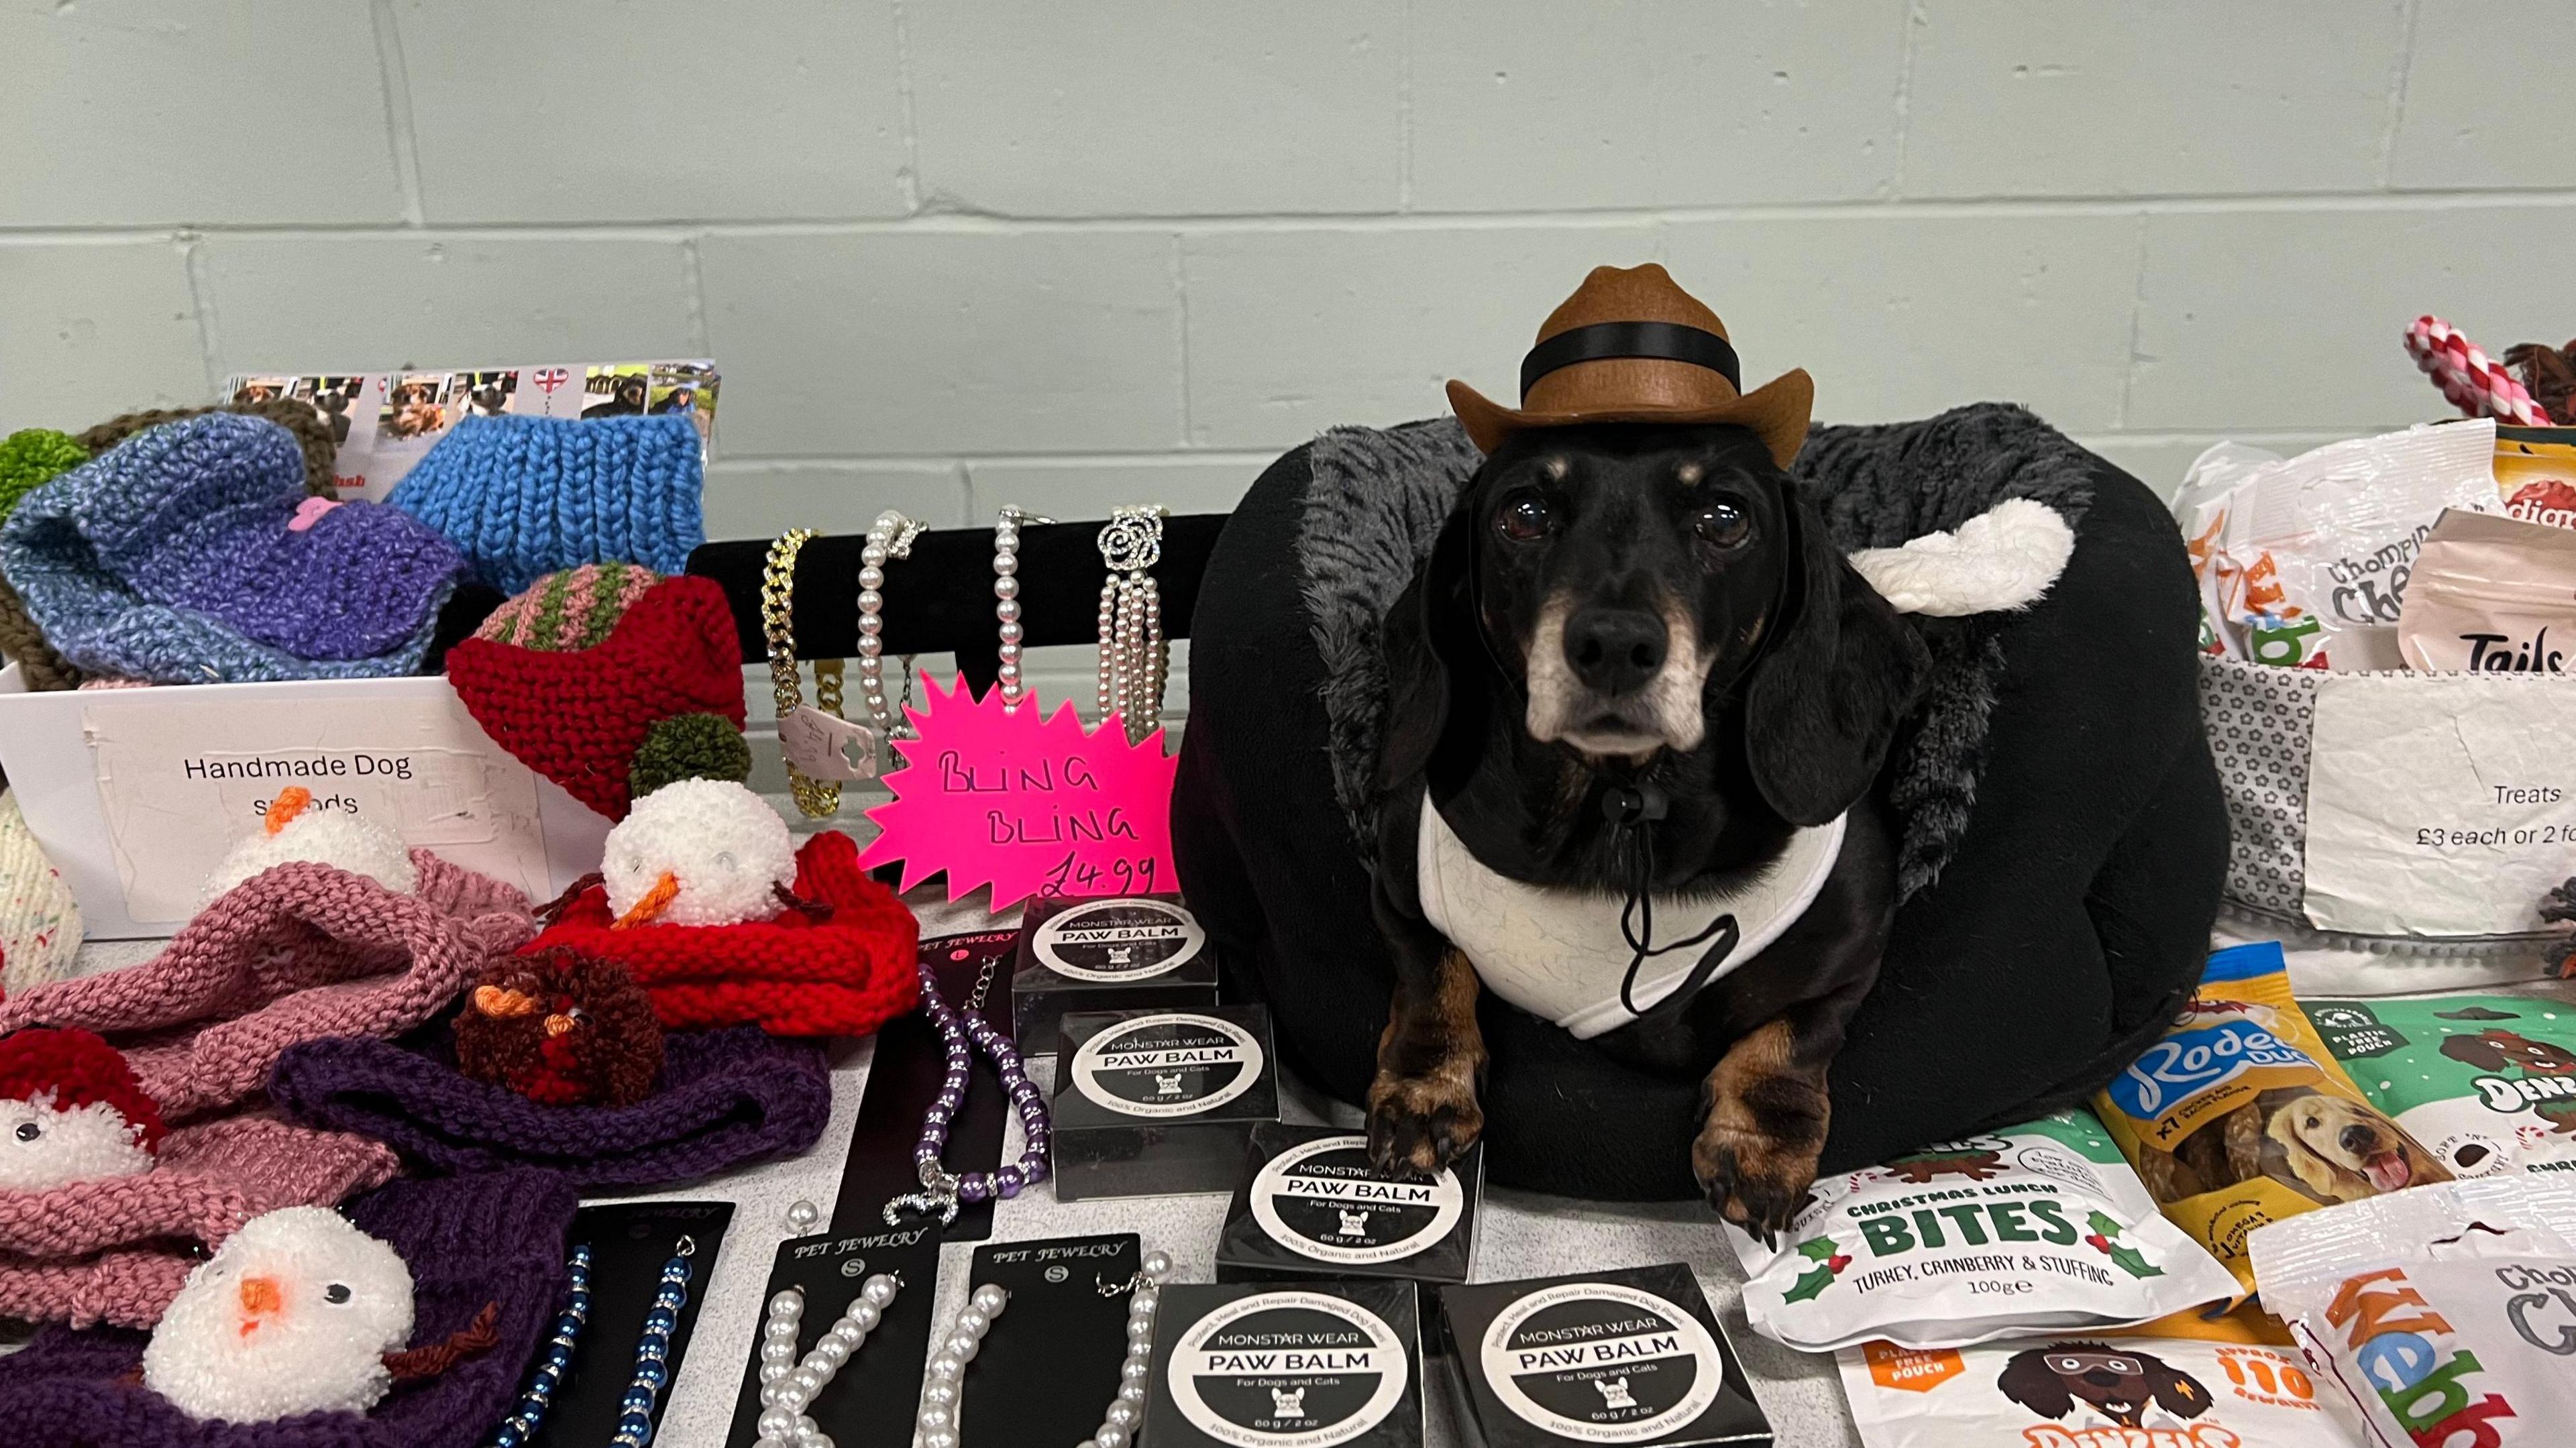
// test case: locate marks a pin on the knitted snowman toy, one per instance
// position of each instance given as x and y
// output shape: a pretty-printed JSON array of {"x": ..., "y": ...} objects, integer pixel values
[
  {"x": 293, "y": 832},
  {"x": 71, "y": 1110},
  {"x": 699, "y": 852},
  {"x": 295, "y": 1313}
]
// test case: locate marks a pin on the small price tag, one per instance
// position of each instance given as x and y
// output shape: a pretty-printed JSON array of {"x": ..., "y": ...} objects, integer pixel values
[
  {"x": 1028, "y": 802},
  {"x": 817, "y": 745}
]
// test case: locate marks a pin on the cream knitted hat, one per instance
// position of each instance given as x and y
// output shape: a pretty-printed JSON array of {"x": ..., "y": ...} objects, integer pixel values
[{"x": 40, "y": 923}]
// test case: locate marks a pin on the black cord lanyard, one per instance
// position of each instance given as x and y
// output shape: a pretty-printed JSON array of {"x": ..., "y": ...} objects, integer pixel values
[{"x": 1631, "y": 810}]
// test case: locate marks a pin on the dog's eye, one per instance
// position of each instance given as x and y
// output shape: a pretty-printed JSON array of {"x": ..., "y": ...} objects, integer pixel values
[
  {"x": 1525, "y": 518},
  {"x": 1723, "y": 525}
]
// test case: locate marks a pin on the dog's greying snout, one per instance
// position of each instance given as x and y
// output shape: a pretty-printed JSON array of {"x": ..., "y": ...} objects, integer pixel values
[{"x": 1662, "y": 709}]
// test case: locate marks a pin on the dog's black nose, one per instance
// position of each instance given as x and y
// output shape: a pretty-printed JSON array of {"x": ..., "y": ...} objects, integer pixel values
[
  {"x": 1614, "y": 650},
  {"x": 2359, "y": 1140}
]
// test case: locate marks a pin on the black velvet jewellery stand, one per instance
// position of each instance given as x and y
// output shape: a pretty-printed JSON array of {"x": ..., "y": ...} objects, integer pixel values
[{"x": 940, "y": 600}]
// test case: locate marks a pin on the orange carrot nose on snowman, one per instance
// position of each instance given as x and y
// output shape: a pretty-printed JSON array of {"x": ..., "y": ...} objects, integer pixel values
[
  {"x": 282, "y": 810},
  {"x": 261, "y": 1299},
  {"x": 697, "y": 852},
  {"x": 298, "y": 829}
]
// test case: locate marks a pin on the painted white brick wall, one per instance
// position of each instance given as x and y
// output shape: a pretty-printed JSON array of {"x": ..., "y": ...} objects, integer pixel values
[{"x": 953, "y": 253}]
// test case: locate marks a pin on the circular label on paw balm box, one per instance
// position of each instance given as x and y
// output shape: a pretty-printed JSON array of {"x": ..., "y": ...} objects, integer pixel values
[
  {"x": 1602, "y": 1362},
  {"x": 1175, "y": 1064},
  {"x": 1116, "y": 941},
  {"x": 1288, "y": 1369},
  {"x": 1322, "y": 1199}
]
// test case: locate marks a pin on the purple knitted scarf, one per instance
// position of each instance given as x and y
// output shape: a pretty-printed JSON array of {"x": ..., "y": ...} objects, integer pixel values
[
  {"x": 495, "y": 1238},
  {"x": 726, "y": 1097}
]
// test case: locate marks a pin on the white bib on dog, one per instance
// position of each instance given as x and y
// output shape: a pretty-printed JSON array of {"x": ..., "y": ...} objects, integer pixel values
[{"x": 1558, "y": 954}]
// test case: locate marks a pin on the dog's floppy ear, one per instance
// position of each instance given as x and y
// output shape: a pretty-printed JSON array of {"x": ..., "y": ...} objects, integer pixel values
[
  {"x": 2477, "y": 1050},
  {"x": 1841, "y": 671},
  {"x": 2031, "y": 1382},
  {"x": 1429, "y": 633},
  {"x": 2179, "y": 1392}
]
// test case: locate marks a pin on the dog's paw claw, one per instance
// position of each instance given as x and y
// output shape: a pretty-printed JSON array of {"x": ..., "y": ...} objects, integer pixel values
[
  {"x": 1756, "y": 1186},
  {"x": 1420, "y": 1124}
]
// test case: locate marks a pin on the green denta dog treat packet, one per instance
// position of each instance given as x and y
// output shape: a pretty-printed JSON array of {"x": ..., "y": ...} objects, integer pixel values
[
  {"x": 2240, "y": 1116},
  {"x": 2487, "y": 1083},
  {"x": 2447, "y": 1314},
  {"x": 2039, "y": 1227},
  {"x": 2076, "y": 1392}
]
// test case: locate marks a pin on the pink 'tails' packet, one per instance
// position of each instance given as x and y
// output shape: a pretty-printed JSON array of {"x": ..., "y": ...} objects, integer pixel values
[
  {"x": 2492, "y": 595},
  {"x": 2325, "y": 541},
  {"x": 2446, "y": 1313}
]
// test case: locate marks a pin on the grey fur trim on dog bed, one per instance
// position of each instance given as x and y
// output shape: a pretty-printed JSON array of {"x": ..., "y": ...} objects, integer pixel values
[{"x": 1379, "y": 498}]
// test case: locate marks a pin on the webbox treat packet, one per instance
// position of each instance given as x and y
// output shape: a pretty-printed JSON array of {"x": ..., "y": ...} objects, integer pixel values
[
  {"x": 2446, "y": 1314},
  {"x": 2240, "y": 1116},
  {"x": 2491, "y": 595},
  {"x": 2091, "y": 1392},
  {"x": 2487, "y": 1083},
  {"x": 2325, "y": 541},
  {"x": 2037, "y": 1227}
]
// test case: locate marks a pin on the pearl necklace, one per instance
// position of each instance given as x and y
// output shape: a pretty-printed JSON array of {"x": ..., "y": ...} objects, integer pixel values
[
  {"x": 890, "y": 537},
  {"x": 653, "y": 1351},
  {"x": 1135, "y": 662},
  {"x": 1006, "y": 596},
  {"x": 943, "y": 1190},
  {"x": 943, "y": 1386},
  {"x": 521, "y": 1426},
  {"x": 788, "y": 1386}
]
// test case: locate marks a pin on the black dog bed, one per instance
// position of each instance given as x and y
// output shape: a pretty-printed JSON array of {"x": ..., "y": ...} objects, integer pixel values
[{"x": 2062, "y": 832}]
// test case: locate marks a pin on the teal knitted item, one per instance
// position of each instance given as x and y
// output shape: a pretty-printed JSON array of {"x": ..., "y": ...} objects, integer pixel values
[{"x": 522, "y": 497}]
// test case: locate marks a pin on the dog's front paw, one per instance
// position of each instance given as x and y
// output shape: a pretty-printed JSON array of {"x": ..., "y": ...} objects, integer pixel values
[
  {"x": 1423, "y": 1123},
  {"x": 1753, "y": 1181}
]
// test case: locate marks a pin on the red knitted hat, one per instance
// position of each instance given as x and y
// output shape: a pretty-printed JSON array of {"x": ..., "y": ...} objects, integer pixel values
[
  {"x": 803, "y": 974},
  {"x": 578, "y": 716},
  {"x": 79, "y": 1068}
]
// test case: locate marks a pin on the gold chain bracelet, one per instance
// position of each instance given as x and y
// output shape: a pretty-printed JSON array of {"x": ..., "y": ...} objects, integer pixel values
[{"x": 815, "y": 797}]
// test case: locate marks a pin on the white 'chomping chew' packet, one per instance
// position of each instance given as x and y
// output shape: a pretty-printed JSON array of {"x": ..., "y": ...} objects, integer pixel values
[
  {"x": 2446, "y": 1312},
  {"x": 2040, "y": 1227}
]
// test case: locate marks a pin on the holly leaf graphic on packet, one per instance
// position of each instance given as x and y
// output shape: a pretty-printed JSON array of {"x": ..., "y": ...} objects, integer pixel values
[
  {"x": 1830, "y": 1262},
  {"x": 2106, "y": 1240}
]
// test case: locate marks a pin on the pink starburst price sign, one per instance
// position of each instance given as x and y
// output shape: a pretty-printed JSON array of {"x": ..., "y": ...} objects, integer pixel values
[{"x": 1029, "y": 804}]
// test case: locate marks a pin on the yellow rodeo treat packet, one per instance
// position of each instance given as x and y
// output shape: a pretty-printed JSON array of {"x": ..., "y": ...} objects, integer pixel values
[
  {"x": 2240, "y": 1116},
  {"x": 2033, "y": 1228}
]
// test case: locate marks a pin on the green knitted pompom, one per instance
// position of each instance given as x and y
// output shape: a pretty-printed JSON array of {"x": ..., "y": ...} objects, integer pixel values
[
  {"x": 32, "y": 458},
  {"x": 689, "y": 746}
]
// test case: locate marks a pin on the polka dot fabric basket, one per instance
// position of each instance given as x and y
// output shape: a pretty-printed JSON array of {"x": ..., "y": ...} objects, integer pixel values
[{"x": 2306, "y": 844}]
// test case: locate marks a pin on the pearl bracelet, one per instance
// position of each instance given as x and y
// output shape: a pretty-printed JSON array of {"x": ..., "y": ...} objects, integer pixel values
[
  {"x": 890, "y": 537},
  {"x": 789, "y": 1386},
  {"x": 943, "y": 1391},
  {"x": 1006, "y": 597},
  {"x": 1134, "y": 659}
]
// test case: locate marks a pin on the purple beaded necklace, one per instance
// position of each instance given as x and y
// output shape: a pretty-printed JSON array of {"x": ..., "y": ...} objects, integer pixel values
[{"x": 942, "y": 1190}]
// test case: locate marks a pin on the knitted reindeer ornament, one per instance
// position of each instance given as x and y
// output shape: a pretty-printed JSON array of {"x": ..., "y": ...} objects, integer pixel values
[
  {"x": 572, "y": 676},
  {"x": 562, "y": 1029}
]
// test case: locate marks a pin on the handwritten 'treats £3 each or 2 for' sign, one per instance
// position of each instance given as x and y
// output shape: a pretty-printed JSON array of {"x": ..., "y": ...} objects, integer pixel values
[
  {"x": 1030, "y": 803},
  {"x": 2471, "y": 836}
]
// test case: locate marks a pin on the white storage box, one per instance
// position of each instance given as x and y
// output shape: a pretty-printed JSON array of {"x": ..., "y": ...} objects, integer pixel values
[
  {"x": 136, "y": 794},
  {"x": 2396, "y": 832}
]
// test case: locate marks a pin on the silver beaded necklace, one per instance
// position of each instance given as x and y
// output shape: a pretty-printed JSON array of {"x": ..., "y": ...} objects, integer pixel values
[
  {"x": 1006, "y": 598},
  {"x": 889, "y": 538}
]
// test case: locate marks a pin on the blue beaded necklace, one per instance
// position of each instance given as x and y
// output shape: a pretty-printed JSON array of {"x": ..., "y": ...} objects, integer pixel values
[
  {"x": 520, "y": 1428},
  {"x": 653, "y": 1351}
]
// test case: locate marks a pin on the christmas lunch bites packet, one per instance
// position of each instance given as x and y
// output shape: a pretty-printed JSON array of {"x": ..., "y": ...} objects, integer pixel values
[
  {"x": 2240, "y": 1116},
  {"x": 2038, "y": 1227},
  {"x": 2488, "y": 1083},
  {"x": 2447, "y": 1314},
  {"x": 2077, "y": 1392}
]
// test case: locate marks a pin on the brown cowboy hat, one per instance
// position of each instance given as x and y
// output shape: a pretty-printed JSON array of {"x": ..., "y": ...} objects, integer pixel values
[{"x": 1631, "y": 346}]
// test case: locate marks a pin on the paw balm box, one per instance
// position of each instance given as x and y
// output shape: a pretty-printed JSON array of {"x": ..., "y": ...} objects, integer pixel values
[
  {"x": 1627, "y": 1356},
  {"x": 1156, "y": 1103},
  {"x": 1106, "y": 953},
  {"x": 1311, "y": 1205},
  {"x": 1304, "y": 1366}
]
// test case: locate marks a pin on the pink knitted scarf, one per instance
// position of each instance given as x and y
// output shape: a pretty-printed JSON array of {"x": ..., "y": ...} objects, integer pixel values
[
  {"x": 117, "y": 1249},
  {"x": 296, "y": 953}
]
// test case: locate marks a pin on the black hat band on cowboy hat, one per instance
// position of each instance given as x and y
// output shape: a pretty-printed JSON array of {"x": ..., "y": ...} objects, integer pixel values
[{"x": 1631, "y": 346}]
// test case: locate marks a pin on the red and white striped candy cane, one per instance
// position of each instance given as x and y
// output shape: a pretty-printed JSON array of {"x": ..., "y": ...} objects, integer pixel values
[{"x": 2478, "y": 385}]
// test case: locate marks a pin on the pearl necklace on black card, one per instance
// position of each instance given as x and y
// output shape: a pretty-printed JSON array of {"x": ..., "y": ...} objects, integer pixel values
[{"x": 943, "y": 1388}]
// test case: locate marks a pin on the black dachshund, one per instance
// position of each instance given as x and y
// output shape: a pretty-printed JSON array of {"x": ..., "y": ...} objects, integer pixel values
[
  {"x": 1639, "y": 704},
  {"x": 2116, "y": 1383}
]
